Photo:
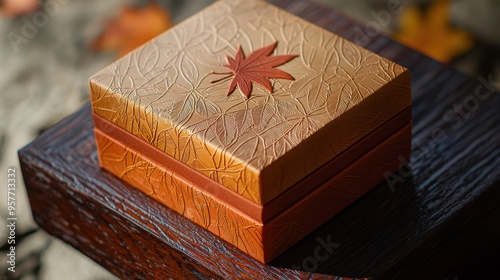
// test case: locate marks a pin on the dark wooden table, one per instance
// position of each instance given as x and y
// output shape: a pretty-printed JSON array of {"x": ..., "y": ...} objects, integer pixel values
[{"x": 443, "y": 210}]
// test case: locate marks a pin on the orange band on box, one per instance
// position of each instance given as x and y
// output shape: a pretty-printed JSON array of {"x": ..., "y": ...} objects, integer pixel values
[{"x": 256, "y": 211}]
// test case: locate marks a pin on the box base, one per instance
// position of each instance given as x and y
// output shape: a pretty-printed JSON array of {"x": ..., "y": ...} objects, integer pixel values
[{"x": 263, "y": 241}]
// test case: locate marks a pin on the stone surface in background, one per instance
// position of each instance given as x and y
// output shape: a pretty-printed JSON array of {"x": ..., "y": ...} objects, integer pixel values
[{"x": 481, "y": 17}]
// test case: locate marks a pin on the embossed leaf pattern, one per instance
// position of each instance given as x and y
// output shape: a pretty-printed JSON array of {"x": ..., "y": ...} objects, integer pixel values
[
  {"x": 257, "y": 68},
  {"x": 356, "y": 80}
]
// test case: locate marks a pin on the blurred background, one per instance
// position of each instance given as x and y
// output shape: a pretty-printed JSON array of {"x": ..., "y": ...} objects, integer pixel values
[{"x": 48, "y": 49}]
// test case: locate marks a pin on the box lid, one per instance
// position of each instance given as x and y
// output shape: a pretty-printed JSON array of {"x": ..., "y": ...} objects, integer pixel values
[{"x": 250, "y": 95}]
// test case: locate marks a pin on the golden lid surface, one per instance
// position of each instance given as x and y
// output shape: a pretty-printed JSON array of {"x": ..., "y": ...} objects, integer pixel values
[{"x": 272, "y": 130}]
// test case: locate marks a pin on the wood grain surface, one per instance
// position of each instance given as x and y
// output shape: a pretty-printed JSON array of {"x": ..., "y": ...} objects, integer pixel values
[{"x": 418, "y": 228}]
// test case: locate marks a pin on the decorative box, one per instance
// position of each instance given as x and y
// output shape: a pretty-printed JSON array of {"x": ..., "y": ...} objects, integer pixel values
[{"x": 252, "y": 123}]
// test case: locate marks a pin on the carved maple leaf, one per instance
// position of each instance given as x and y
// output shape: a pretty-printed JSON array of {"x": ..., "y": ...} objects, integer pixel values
[{"x": 257, "y": 68}]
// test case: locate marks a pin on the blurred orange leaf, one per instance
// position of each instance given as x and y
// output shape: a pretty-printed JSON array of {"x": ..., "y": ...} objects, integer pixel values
[
  {"x": 132, "y": 28},
  {"x": 431, "y": 32},
  {"x": 12, "y": 8}
]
